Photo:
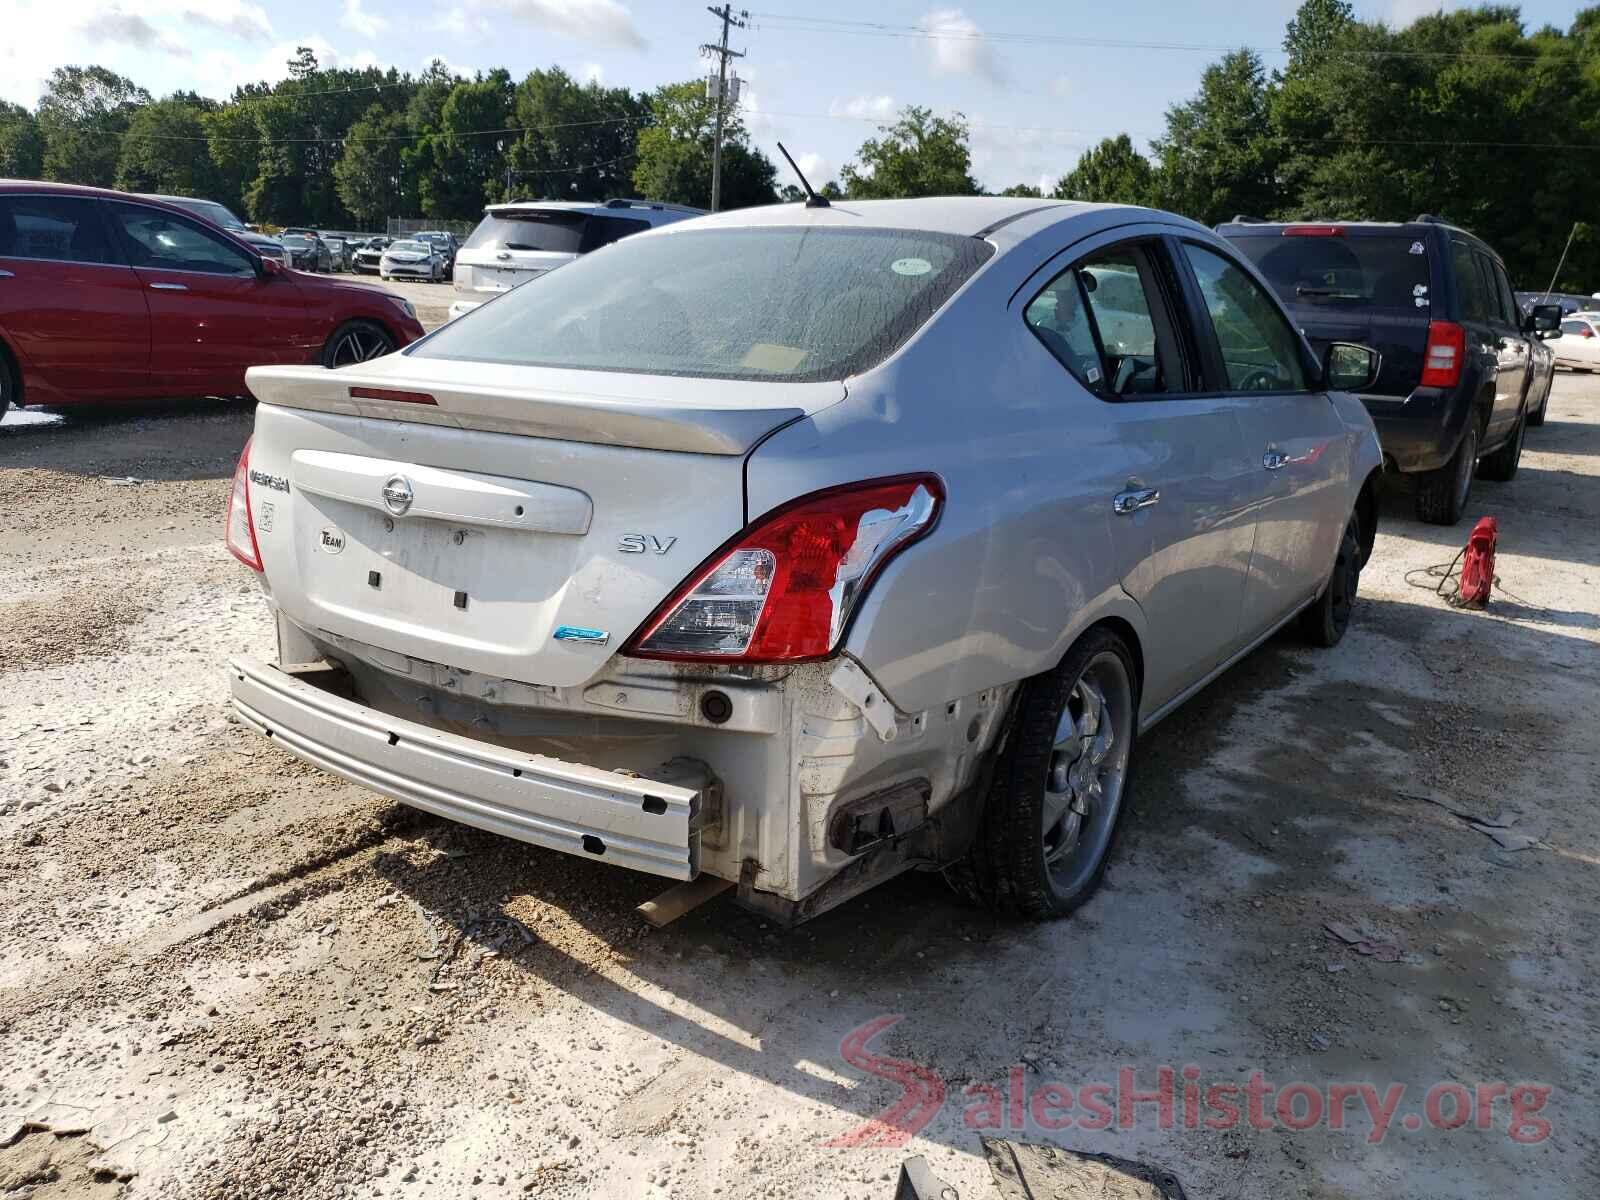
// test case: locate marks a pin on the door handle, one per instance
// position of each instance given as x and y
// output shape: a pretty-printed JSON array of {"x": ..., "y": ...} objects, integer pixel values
[
  {"x": 1134, "y": 499},
  {"x": 169, "y": 287}
]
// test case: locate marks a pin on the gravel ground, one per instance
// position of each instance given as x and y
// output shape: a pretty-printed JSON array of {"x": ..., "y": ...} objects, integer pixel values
[{"x": 228, "y": 975}]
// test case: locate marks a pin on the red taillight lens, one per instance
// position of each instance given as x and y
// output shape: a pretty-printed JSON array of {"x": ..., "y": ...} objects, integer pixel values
[
  {"x": 1441, "y": 362},
  {"x": 1313, "y": 231},
  {"x": 784, "y": 589},
  {"x": 241, "y": 526},
  {"x": 1585, "y": 331}
]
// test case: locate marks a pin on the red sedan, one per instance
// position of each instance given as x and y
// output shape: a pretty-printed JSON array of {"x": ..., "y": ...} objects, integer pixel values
[{"x": 105, "y": 296}]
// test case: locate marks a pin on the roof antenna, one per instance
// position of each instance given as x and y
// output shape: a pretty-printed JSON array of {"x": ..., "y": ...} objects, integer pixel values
[{"x": 812, "y": 199}]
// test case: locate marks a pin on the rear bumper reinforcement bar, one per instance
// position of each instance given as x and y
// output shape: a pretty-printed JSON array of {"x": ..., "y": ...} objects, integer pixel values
[{"x": 631, "y": 821}]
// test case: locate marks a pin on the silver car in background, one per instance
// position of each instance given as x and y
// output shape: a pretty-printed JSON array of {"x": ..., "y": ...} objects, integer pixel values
[{"x": 801, "y": 546}]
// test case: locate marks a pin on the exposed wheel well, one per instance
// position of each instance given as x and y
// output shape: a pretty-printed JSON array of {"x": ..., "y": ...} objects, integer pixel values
[
  {"x": 1367, "y": 513},
  {"x": 1130, "y": 639},
  {"x": 9, "y": 364}
]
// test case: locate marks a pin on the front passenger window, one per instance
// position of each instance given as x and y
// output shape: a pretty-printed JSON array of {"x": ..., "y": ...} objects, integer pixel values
[
  {"x": 1260, "y": 352},
  {"x": 157, "y": 239}
]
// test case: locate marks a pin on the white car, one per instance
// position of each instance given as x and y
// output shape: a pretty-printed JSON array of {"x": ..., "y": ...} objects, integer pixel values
[
  {"x": 411, "y": 260},
  {"x": 1578, "y": 346},
  {"x": 805, "y": 546},
  {"x": 520, "y": 241}
]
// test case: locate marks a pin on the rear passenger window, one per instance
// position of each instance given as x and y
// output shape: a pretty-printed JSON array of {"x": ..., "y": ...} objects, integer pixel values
[
  {"x": 1260, "y": 351},
  {"x": 1471, "y": 286},
  {"x": 602, "y": 231},
  {"x": 61, "y": 228},
  {"x": 1502, "y": 287},
  {"x": 1098, "y": 318}
]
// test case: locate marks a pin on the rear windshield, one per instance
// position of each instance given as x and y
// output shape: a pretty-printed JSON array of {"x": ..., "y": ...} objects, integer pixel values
[
  {"x": 792, "y": 304},
  {"x": 1364, "y": 271},
  {"x": 548, "y": 229}
]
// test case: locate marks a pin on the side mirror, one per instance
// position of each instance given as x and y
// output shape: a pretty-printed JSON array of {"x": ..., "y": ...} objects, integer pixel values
[
  {"x": 268, "y": 267},
  {"x": 1545, "y": 318},
  {"x": 1347, "y": 367}
]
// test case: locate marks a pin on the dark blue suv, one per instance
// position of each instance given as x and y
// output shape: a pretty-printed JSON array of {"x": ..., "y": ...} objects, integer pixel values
[{"x": 1456, "y": 385}]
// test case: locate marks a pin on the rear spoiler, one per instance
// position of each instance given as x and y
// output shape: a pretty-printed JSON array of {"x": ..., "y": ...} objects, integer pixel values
[{"x": 518, "y": 401}]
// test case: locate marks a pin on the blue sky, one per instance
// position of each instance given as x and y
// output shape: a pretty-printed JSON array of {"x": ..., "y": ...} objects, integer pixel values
[{"x": 817, "y": 79}]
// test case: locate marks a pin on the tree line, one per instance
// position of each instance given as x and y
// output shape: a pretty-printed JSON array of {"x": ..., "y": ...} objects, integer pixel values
[{"x": 1464, "y": 114}]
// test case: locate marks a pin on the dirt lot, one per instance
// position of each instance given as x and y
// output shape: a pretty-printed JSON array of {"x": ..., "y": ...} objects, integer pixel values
[{"x": 225, "y": 975}]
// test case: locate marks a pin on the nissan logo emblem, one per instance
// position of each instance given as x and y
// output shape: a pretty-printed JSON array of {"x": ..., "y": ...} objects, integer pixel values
[{"x": 397, "y": 495}]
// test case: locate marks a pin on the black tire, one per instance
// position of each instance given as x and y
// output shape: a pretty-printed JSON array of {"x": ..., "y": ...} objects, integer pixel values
[
  {"x": 356, "y": 342},
  {"x": 8, "y": 384},
  {"x": 1501, "y": 466},
  {"x": 1324, "y": 622},
  {"x": 1443, "y": 497},
  {"x": 1008, "y": 867},
  {"x": 1536, "y": 418}
]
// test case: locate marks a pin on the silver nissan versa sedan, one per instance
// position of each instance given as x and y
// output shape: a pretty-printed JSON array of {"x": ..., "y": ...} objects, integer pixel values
[{"x": 802, "y": 546}]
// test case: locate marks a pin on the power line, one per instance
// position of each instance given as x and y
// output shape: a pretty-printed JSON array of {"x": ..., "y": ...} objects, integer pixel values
[{"x": 801, "y": 23}]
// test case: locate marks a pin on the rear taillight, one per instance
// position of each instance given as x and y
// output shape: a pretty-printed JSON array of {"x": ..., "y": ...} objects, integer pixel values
[
  {"x": 1585, "y": 331},
  {"x": 241, "y": 527},
  {"x": 1441, "y": 362},
  {"x": 785, "y": 588}
]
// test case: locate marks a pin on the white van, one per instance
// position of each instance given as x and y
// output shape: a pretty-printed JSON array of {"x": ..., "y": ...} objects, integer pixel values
[{"x": 521, "y": 240}]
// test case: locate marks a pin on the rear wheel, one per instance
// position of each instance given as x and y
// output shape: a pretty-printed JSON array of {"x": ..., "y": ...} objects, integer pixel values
[
  {"x": 1324, "y": 623},
  {"x": 1501, "y": 466},
  {"x": 1443, "y": 497},
  {"x": 356, "y": 342},
  {"x": 1055, "y": 801}
]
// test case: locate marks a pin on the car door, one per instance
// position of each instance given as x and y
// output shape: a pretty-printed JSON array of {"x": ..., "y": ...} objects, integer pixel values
[
  {"x": 212, "y": 311},
  {"x": 69, "y": 303},
  {"x": 1178, "y": 487},
  {"x": 1513, "y": 353},
  {"x": 1480, "y": 322},
  {"x": 1292, "y": 433}
]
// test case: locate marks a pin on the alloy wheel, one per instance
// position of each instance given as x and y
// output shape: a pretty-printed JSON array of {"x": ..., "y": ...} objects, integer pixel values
[
  {"x": 1088, "y": 767},
  {"x": 360, "y": 345}
]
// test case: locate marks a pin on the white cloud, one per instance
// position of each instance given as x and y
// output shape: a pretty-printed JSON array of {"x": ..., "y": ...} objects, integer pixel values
[
  {"x": 116, "y": 27},
  {"x": 817, "y": 168},
  {"x": 603, "y": 21},
  {"x": 359, "y": 20},
  {"x": 593, "y": 73},
  {"x": 957, "y": 46},
  {"x": 869, "y": 108},
  {"x": 219, "y": 72},
  {"x": 236, "y": 18},
  {"x": 1404, "y": 12}
]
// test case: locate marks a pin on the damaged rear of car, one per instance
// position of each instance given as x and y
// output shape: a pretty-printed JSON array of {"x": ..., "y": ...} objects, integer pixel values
[
  {"x": 740, "y": 547},
  {"x": 519, "y": 580}
]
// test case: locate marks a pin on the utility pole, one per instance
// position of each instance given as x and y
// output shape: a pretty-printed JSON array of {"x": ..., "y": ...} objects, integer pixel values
[{"x": 723, "y": 54}]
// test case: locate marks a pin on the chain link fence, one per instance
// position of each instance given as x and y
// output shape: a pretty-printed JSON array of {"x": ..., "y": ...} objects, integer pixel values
[{"x": 406, "y": 226}]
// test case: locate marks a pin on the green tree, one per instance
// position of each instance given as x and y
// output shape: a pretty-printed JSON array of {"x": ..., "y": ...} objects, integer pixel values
[
  {"x": 1112, "y": 172},
  {"x": 1024, "y": 190},
  {"x": 1218, "y": 156},
  {"x": 368, "y": 173},
  {"x": 82, "y": 117},
  {"x": 1314, "y": 33},
  {"x": 233, "y": 142},
  {"x": 165, "y": 149},
  {"x": 21, "y": 144},
  {"x": 577, "y": 141},
  {"x": 919, "y": 155},
  {"x": 458, "y": 166},
  {"x": 672, "y": 157}
]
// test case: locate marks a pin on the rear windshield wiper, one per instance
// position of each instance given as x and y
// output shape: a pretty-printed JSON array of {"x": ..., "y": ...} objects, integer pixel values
[
  {"x": 1328, "y": 293},
  {"x": 518, "y": 246}
]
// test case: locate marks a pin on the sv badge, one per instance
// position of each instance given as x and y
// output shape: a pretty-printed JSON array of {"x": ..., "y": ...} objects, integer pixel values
[{"x": 638, "y": 543}]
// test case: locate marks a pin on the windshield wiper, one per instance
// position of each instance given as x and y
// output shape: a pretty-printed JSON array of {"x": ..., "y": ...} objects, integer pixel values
[{"x": 518, "y": 246}]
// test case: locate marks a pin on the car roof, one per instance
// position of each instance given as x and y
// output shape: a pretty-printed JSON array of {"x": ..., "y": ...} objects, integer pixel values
[{"x": 1003, "y": 220}]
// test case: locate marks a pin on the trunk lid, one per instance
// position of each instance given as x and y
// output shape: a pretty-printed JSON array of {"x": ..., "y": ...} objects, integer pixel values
[
  {"x": 1369, "y": 285},
  {"x": 519, "y": 527}
]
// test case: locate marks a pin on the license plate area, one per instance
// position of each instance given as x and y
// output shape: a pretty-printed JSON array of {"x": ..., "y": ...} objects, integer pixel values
[{"x": 454, "y": 585}]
